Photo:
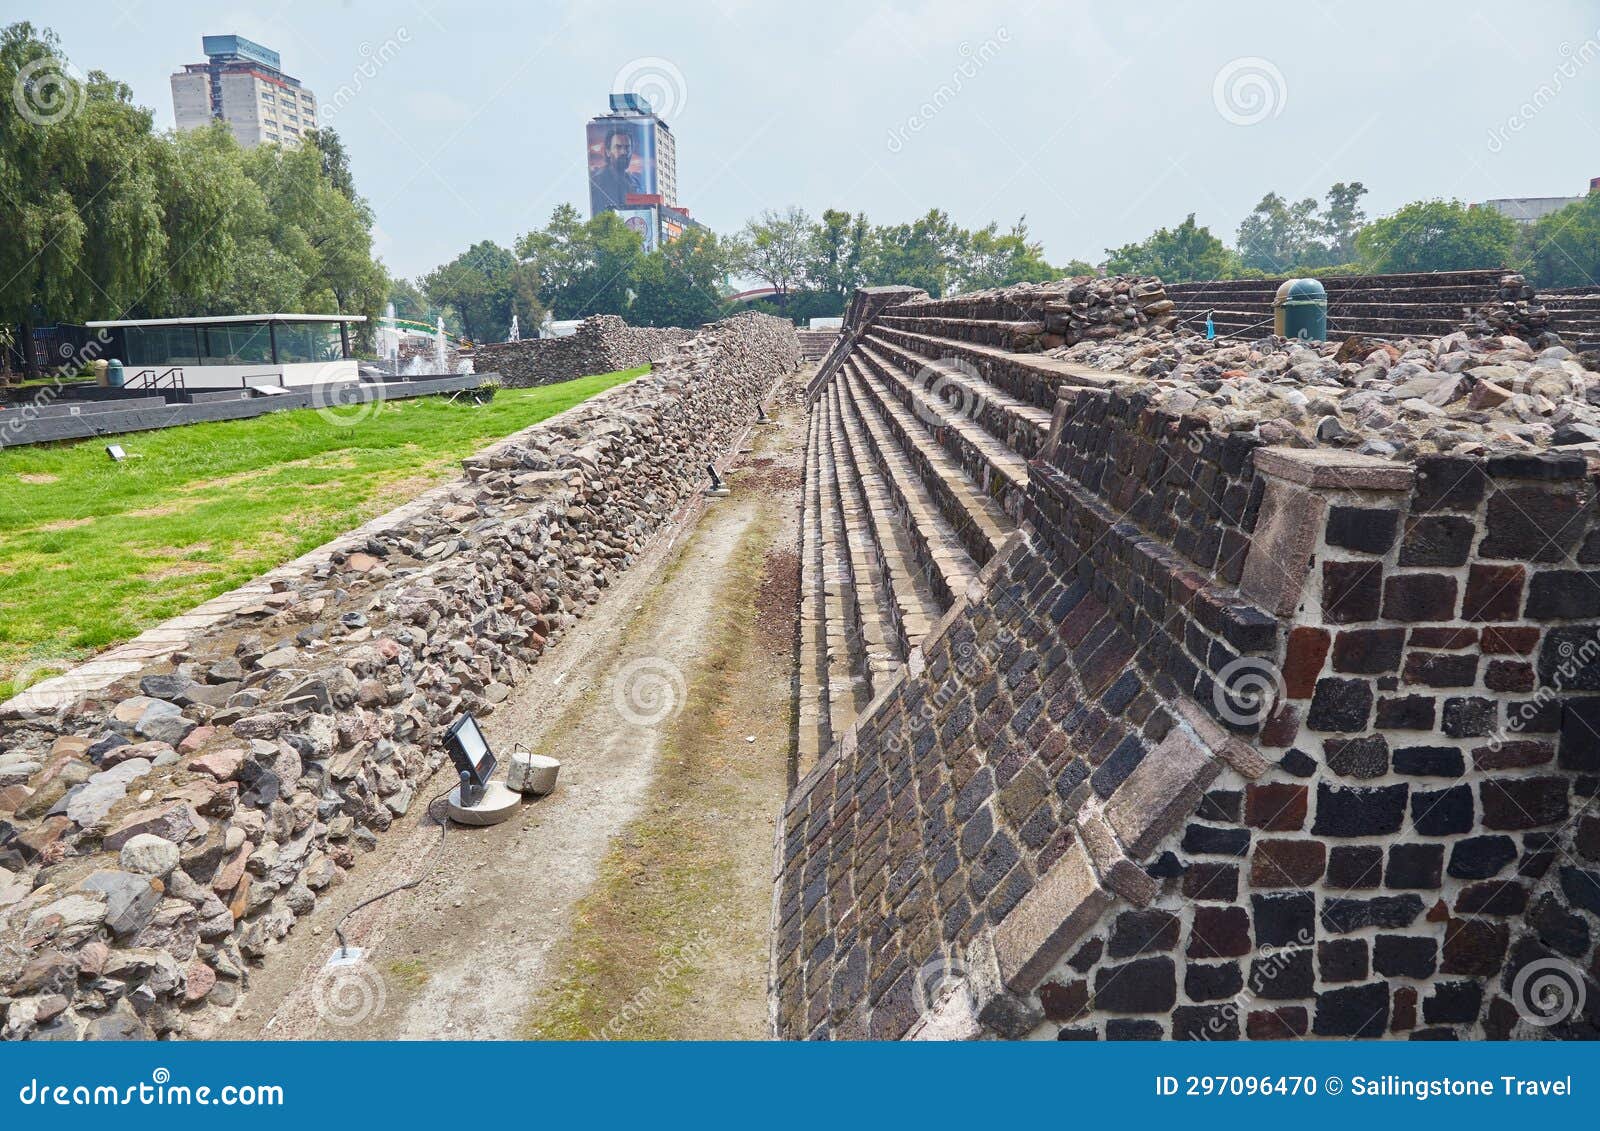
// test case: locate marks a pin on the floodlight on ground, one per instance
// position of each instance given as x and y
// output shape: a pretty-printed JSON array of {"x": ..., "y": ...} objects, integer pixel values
[
  {"x": 718, "y": 489},
  {"x": 476, "y": 800}
]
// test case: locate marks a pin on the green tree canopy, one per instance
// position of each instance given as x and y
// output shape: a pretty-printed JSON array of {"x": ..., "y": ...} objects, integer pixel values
[
  {"x": 1183, "y": 254},
  {"x": 1437, "y": 235},
  {"x": 1563, "y": 249}
]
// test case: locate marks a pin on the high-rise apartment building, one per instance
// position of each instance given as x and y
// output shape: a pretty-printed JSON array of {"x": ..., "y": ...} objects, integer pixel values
[{"x": 241, "y": 83}]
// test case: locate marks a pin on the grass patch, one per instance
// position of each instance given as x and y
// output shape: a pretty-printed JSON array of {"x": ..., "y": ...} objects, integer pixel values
[
  {"x": 412, "y": 973},
  {"x": 657, "y": 916},
  {"x": 93, "y": 552}
]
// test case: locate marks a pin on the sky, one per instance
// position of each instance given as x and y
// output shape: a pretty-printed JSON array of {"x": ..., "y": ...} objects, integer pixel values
[{"x": 1098, "y": 122}]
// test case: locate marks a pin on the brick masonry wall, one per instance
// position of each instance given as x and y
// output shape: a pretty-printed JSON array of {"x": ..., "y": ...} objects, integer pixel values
[
  {"x": 603, "y": 343},
  {"x": 1231, "y": 742},
  {"x": 281, "y": 728}
]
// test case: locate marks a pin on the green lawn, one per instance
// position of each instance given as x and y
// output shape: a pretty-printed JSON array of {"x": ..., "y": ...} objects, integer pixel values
[{"x": 93, "y": 552}]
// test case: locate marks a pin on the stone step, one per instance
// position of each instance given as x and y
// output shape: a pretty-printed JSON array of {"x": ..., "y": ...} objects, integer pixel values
[
  {"x": 978, "y": 520},
  {"x": 991, "y": 434},
  {"x": 848, "y": 589},
  {"x": 915, "y": 541},
  {"x": 844, "y": 657},
  {"x": 812, "y": 729},
  {"x": 877, "y": 626},
  {"x": 1012, "y": 336},
  {"x": 1031, "y": 378},
  {"x": 909, "y": 604}
]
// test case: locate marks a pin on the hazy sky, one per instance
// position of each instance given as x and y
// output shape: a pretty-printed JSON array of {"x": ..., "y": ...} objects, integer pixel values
[{"x": 1099, "y": 122}]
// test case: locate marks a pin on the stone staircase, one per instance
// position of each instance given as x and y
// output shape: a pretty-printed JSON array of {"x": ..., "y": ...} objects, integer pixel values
[{"x": 916, "y": 476}]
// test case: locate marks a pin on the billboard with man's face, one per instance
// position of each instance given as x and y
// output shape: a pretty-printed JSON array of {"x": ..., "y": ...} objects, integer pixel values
[{"x": 622, "y": 159}]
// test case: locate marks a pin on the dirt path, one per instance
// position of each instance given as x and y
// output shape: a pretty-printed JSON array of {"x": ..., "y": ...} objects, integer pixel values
[{"x": 634, "y": 901}]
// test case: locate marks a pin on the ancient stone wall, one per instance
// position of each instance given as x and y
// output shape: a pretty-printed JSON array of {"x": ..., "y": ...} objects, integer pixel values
[
  {"x": 168, "y": 811},
  {"x": 1230, "y": 742},
  {"x": 603, "y": 343}
]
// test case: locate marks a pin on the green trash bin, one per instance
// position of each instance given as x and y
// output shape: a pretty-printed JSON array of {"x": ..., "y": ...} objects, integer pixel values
[
  {"x": 115, "y": 378},
  {"x": 1300, "y": 310}
]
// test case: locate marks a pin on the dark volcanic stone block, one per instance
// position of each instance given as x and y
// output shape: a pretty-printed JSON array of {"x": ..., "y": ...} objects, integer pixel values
[
  {"x": 1342, "y": 960},
  {"x": 1523, "y": 803},
  {"x": 1356, "y": 1011},
  {"x": 1363, "y": 758},
  {"x": 1283, "y": 975},
  {"x": 1414, "y": 866},
  {"x": 1363, "y": 529},
  {"x": 1368, "y": 651},
  {"x": 1430, "y": 761},
  {"x": 1437, "y": 540},
  {"x": 1419, "y": 597},
  {"x": 1532, "y": 523},
  {"x": 1443, "y": 812},
  {"x": 1205, "y": 981},
  {"x": 1219, "y": 932},
  {"x": 1285, "y": 920},
  {"x": 1340, "y": 706},
  {"x": 1359, "y": 811},
  {"x": 1205, "y": 1023},
  {"x": 1355, "y": 866},
  {"x": 1340, "y": 916},
  {"x": 1351, "y": 591},
  {"x": 1480, "y": 857},
  {"x": 1145, "y": 985},
  {"x": 1404, "y": 956},
  {"x": 1494, "y": 592},
  {"x": 1142, "y": 932}
]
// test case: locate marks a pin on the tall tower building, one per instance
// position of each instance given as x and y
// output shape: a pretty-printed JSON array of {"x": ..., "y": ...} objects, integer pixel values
[{"x": 242, "y": 84}]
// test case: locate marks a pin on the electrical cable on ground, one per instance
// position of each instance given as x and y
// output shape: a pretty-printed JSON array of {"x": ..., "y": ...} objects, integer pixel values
[{"x": 438, "y": 854}]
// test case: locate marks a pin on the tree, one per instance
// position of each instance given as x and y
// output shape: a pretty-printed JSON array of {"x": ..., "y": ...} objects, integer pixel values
[
  {"x": 80, "y": 197},
  {"x": 834, "y": 258},
  {"x": 926, "y": 253},
  {"x": 1563, "y": 249},
  {"x": 1278, "y": 235},
  {"x": 478, "y": 286},
  {"x": 773, "y": 247},
  {"x": 335, "y": 162},
  {"x": 991, "y": 259},
  {"x": 1183, "y": 254},
  {"x": 1437, "y": 235},
  {"x": 683, "y": 283},
  {"x": 409, "y": 301},
  {"x": 1343, "y": 219}
]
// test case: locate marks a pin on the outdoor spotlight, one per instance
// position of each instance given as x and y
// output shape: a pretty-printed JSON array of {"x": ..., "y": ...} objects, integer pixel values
[
  {"x": 115, "y": 452},
  {"x": 474, "y": 761}
]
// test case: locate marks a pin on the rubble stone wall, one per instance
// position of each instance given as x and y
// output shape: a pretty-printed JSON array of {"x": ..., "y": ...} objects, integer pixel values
[
  {"x": 603, "y": 343},
  {"x": 169, "y": 811},
  {"x": 1232, "y": 741}
]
